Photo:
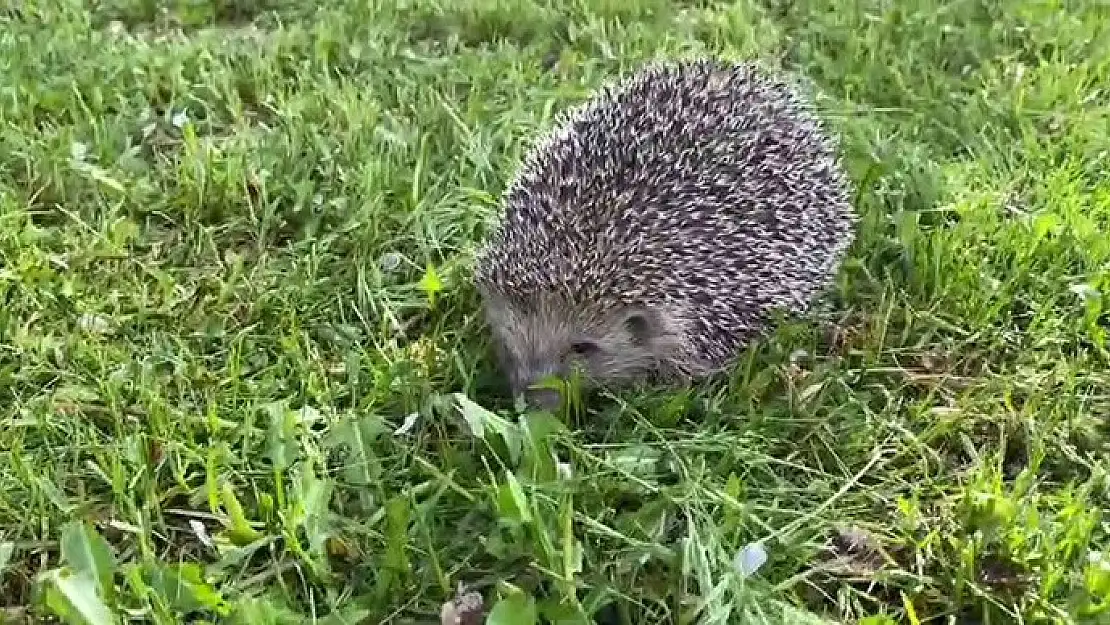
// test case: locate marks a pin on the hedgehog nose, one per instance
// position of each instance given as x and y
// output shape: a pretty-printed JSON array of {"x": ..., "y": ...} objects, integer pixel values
[{"x": 543, "y": 398}]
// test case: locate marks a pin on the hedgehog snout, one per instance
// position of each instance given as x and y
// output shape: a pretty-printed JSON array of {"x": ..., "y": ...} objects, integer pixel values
[
  {"x": 543, "y": 398},
  {"x": 536, "y": 396},
  {"x": 527, "y": 379}
]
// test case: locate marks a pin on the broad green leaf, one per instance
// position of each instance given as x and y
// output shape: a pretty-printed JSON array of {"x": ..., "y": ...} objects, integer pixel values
[
  {"x": 240, "y": 532},
  {"x": 641, "y": 461},
  {"x": 573, "y": 552},
  {"x": 540, "y": 462},
  {"x": 314, "y": 497},
  {"x": 1097, "y": 578},
  {"x": 73, "y": 597},
  {"x": 398, "y": 512},
  {"x": 6, "y": 551},
  {"x": 512, "y": 502},
  {"x": 87, "y": 553},
  {"x": 283, "y": 447},
  {"x": 264, "y": 611},
  {"x": 184, "y": 589},
  {"x": 515, "y": 609},
  {"x": 396, "y": 560},
  {"x": 557, "y": 613},
  {"x": 542, "y": 426},
  {"x": 356, "y": 436},
  {"x": 480, "y": 420},
  {"x": 431, "y": 284},
  {"x": 353, "y": 615},
  {"x": 100, "y": 175},
  {"x": 1043, "y": 224}
]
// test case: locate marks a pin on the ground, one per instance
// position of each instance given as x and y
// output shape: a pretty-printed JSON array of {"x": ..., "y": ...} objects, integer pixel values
[{"x": 243, "y": 378}]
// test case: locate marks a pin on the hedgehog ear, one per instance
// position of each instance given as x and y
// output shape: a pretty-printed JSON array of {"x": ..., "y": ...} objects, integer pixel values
[{"x": 641, "y": 324}]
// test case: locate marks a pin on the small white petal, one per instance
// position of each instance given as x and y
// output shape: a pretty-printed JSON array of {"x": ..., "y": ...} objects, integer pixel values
[
  {"x": 564, "y": 470},
  {"x": 201, "y": 532},
  {"x": 95, "y": 324},
  {"x": 407, "y": 426},
  {"x": 750, "y": 559},
  {"x": 1085, "y": 291},
  {"x": 390, "y": 261}
]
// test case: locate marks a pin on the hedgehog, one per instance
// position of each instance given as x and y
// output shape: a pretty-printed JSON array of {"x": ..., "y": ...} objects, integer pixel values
[{"x": 654, "y": 232}]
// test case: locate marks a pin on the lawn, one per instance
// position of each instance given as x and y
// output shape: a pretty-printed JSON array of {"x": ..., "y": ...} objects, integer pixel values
[{"x": 243, "y": 377}]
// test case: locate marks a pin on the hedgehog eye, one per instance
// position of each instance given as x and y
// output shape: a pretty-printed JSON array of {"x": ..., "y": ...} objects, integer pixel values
[{"x": 583, "y": 348}]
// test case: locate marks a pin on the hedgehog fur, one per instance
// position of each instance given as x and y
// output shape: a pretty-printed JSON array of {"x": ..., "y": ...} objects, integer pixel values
[{"x": 655, "y": 230}]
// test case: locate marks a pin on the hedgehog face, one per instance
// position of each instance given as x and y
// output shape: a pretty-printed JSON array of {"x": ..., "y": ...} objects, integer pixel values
[{"x": 554, "y": 341}]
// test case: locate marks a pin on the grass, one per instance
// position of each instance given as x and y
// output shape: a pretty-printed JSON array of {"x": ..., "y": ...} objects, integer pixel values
[{"x": 242, "y": 377}]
